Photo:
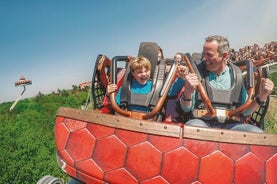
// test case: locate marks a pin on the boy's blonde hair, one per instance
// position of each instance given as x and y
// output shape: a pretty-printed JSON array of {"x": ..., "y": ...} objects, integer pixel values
[{"x": 139, "y": 62}]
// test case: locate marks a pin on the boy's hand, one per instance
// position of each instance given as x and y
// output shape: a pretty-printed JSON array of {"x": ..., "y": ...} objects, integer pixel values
[{"x": 111, "y": 88}]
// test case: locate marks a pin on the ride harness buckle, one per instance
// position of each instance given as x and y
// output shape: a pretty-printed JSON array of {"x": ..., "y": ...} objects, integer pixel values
[{"x": 221, "y": 115}]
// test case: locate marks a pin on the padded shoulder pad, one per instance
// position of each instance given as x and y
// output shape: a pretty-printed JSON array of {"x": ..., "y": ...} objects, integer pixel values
[{"x": 196, "y": 56}]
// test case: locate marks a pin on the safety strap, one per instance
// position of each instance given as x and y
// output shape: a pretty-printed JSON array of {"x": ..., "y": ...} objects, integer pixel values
[{"x": 223, "y": 98}]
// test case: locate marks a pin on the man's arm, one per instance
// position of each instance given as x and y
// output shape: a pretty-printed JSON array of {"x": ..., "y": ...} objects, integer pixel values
[
  {"x": 187, "y": 99},
  {"x": 265, "y": 89}
]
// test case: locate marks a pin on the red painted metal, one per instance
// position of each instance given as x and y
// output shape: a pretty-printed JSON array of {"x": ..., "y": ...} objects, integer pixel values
[{"x": 96, "y": 153}]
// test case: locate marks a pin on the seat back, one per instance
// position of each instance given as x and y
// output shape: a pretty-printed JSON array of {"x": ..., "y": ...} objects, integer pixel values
[
  {"x": 150, "y": 51},
  {"x": 100, "y": 80}
]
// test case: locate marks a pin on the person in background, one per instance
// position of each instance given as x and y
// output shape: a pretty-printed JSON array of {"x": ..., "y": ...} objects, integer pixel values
[
  {"x": 178, "y": 57},
  {"x": 173, "y": 113},
  {"x": 219, "y": 77},
  {"x": 160, "y": 53}
]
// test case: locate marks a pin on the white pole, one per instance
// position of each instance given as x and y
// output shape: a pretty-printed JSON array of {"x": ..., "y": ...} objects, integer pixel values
[
  {"x": 15, "y": 102},
  {"x": 18, "y": 98}
]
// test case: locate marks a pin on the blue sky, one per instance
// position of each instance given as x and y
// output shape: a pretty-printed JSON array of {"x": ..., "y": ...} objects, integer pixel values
[{"x": 55, "y": 43}]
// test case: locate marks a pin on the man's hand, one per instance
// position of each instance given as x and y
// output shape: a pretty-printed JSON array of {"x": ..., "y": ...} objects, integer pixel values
[
  {"x": 191, "y": 83},
  {"x": 265, "y": 88}
]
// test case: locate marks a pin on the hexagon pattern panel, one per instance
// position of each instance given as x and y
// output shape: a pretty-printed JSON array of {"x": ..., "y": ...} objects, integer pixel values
[{"x": 99, "y": 154}]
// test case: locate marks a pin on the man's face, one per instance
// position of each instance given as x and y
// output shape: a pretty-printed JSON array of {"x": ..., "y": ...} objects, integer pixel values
[
  {"x": 141, "y": 75},
  {"x": 214, "y": 62}
]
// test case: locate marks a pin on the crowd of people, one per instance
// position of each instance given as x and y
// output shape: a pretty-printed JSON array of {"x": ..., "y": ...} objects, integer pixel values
[
  {"x": 267, "y": 52},
  {"x": 255, "y": 53}
]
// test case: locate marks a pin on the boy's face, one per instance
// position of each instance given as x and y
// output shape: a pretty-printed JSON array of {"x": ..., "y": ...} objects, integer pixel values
[{"x": 141, "y": 75}]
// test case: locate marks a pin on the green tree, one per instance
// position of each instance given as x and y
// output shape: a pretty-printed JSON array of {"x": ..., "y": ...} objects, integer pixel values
[{"x": 27, "y": 141}]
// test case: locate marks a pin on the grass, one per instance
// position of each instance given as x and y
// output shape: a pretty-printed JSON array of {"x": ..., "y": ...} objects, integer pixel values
[{"x": 271, "y": 116}]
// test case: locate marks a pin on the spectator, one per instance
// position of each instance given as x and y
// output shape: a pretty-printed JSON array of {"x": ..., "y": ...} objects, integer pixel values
[{"x": 178, "y": 57}]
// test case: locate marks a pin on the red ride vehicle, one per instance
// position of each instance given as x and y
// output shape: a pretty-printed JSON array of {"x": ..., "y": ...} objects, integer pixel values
[{"x": 113, "y": 145}]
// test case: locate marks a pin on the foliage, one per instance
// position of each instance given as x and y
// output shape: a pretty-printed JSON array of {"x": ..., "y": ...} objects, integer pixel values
[
  {"x": 273, "y": 77},
  {"x": 27, "y": 136},
  {"x": 271, "y": 116}
]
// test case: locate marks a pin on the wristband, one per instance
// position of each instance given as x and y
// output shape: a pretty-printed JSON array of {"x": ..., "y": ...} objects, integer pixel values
[{"x": 258, "y": 100}]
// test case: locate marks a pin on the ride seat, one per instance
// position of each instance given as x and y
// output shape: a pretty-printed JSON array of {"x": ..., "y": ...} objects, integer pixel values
[{"x": 157, "y": 75}]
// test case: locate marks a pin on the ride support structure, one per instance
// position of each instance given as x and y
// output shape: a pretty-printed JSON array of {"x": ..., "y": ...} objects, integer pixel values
[{"x": 22, "y": 82}]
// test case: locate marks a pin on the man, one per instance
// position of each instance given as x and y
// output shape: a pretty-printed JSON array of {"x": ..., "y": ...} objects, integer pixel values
[{"x": 220, "y": 77}]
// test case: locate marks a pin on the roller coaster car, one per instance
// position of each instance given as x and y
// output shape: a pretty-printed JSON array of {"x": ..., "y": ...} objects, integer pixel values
[{"x": 115, "y": 145}]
